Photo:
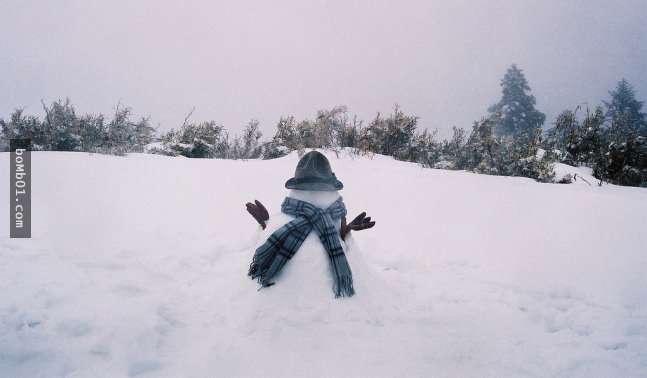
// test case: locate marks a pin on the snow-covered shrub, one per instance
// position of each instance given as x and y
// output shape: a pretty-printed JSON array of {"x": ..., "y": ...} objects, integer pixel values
[
  {"x": 202, "y": 140},
  {"x": 250, "y": 148},
  {"x": 625, "y": 163},
  {"x": 566, "y": 179},
  {"x": 272, "y": 150},
  {"x": 576, "y": 143},
  {"x": 63, "y": 130},
  {"x": 391, "y": 136},
  {"x": 445, "y": 164},
  {"x": 123, "y": 135},
  {"x": 481, "y": 152},
  {"x": 498, "y": 155},
  {"x": 611, "y": 140},
  {"x": 423, "y": 149},
  {"x": 20, "y": 125}
]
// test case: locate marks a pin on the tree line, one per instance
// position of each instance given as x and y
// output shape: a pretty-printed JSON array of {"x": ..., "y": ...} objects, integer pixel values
[{"x": 510, "y": 140}]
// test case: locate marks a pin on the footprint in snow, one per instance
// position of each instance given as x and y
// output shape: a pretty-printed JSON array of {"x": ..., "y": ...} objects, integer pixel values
[
  {"x": 74, "y": 328},
  {"x": 142, "y": 367},
  {"x": 611, "y": 346},
  {"x": 128, "y": 290},
  {"x": 101, "y": 349},
  {"x": 168, "y": 315}
]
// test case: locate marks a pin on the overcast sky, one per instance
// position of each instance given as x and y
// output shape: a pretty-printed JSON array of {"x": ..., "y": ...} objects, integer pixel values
[{"x": 439, "y": 59}]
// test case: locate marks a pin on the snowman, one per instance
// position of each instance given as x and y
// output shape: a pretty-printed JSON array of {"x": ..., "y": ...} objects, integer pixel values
[{"x": 306, "y": 245}]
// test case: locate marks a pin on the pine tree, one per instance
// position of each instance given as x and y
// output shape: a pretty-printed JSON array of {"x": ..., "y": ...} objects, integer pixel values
[
  {"x": 515, "y": 112},
  {"x": 625, "y": 112}
]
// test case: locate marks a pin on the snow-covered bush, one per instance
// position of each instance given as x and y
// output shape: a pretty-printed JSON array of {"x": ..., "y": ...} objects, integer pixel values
[
  {"x": 483, "y": 152},
  {"x": 566, "y": 179},
  {"x": 392, "y": 135},
  {"x": 20, "y": 125},
  {"x": 272, "y": 150},
  {"x": 201, "y": 140},
  {"x": 611, "y": 140},
  {"x": 625, "y": 163},
  {"x": 63, "y": 130}
]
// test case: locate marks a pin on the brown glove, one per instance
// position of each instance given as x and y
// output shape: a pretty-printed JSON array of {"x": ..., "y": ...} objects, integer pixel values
[
  {"x": 259, "y": 212},
  {"x": 361, "y": 222}
]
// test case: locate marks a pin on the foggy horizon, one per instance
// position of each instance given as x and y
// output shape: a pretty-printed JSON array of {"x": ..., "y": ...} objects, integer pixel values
[{"x": 440, "y": 60}]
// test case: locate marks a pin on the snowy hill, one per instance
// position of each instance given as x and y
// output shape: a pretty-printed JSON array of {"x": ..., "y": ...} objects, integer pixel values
[{"x": 137, "y": 267}]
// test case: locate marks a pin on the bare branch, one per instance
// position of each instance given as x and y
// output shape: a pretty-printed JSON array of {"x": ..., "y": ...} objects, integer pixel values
[{"x": 186, "y": 119}]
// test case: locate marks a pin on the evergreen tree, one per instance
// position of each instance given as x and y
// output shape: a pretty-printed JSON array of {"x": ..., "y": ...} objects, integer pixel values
[
  {"x": 625, "y": 113},
  {"x": 515, "y": 112}
]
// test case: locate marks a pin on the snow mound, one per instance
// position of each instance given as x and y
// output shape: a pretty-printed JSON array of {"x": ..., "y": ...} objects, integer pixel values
[
  {"x": 137, "y": 267},
  {"x": 577, "y": 175}
]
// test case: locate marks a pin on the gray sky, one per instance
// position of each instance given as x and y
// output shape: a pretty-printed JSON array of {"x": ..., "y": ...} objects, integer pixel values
[{"x": 441, "y": 60}]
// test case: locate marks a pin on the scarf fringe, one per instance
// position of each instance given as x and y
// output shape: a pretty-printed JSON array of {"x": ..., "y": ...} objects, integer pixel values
[
  {"x": 258, "y": 269},
  {"x": 344, "y": 287}
]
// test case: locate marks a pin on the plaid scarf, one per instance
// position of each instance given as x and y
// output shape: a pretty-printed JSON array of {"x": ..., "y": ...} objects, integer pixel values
[{"x": 270, "y": 257}]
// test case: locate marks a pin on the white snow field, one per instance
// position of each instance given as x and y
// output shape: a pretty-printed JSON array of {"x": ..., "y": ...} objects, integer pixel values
[{"x": 137, "y": 267}]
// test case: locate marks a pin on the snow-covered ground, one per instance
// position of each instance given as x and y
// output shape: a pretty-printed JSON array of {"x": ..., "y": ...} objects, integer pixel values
[{"x": 137, "y": 267}]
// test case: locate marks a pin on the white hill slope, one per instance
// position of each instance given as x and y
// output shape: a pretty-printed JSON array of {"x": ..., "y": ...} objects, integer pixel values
[{"x": 137, "y": 267}]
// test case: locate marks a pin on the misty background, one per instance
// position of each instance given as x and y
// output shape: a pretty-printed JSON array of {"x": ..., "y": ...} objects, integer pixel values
[{"x": 234, "y": 61}]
